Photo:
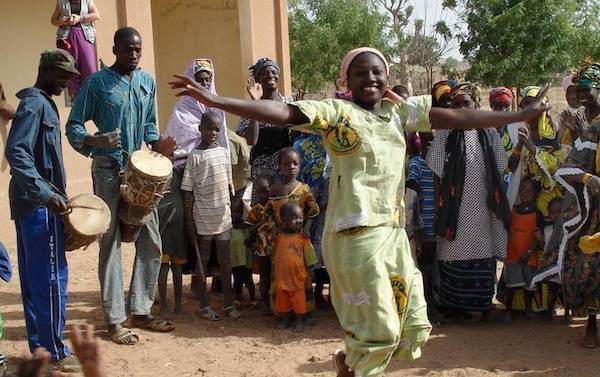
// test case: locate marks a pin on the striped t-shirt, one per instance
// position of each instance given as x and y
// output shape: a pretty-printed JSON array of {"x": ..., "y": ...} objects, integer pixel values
[
  {"x": 208, "y": 175},
  {"x": 419, "y": 172}
]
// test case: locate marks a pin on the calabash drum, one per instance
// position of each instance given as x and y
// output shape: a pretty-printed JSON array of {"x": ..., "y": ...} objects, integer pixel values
[
  {"x": 146, "y": 178},
  {"x": 87, "y": 219}
]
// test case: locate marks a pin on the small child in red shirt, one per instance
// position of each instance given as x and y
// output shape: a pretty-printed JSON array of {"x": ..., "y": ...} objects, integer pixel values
[{"x": 293, "y": 255}]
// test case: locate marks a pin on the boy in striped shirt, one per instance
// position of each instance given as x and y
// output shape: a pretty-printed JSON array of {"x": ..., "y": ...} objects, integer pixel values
[{"x": 207, "y": 186}]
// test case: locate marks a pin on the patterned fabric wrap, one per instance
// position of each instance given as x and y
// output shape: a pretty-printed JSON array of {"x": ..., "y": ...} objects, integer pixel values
[
  {"x": 563, "y": 258},
  {"x": 261, "y": 64},
  {"x": 501, "y": 95},
  {"x": 470, "y": 89},
  {"x": 588, "y": 76}
]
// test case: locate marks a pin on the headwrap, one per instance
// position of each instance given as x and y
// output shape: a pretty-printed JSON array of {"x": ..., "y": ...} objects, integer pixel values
[
  {"x": 440, "y": 88},
  {"x": 261, "y": 64},
  {"x": 468, "y": 89},
  {"x": 187, "y": 113},
  {"x": 588, "y": 76},
  {"x": 545, "y": 129},
  {"x": 342, "y": 81},
  {"x": 501, "y": 95},
  {"x": 203, "y": 65}
]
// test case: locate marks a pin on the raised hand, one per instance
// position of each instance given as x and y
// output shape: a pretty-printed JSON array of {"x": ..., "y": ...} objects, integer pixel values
[
  {"x": 567, "y": 118},
  {"x": 254, "y": 89},
  {"x": 35, "y": 366},
  {"x": 525, "y": 140},
  {"x": 87, "y": 351},
  {"x": 189, "y": 87},
  {"x": 165, "y": 146}
]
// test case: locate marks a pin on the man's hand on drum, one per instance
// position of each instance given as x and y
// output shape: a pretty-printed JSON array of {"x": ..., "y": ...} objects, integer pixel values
[
  {"x": 165, "y": 146},
  {"x": 56, "y": 204},
  {"x": 108, "y": 140}
]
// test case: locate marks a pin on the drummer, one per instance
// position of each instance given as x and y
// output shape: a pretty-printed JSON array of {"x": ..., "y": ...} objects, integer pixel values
[
  {"x": 37, "y": 197},
  {"x": 125, "y": 123}
]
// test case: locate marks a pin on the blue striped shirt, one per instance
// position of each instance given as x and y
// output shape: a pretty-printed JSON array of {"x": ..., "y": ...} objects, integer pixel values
[{"x": 419, "y": 172}]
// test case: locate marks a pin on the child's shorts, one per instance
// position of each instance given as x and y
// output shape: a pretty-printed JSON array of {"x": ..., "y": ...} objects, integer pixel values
[
  {"x": 287, "y": 301},
  {"x": 518, "y": 275}
]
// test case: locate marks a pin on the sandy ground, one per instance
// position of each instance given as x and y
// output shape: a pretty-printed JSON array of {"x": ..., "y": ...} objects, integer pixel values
[{"x": 253, "y": 346}]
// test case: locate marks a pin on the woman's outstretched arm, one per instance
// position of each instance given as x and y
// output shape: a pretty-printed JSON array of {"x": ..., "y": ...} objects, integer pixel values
[
  {"x": 262, "y": 110},
  {"x": 467, "y": 119}
]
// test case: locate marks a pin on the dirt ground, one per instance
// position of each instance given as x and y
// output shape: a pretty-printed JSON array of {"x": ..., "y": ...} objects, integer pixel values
[{"x": 253, "y": 346}]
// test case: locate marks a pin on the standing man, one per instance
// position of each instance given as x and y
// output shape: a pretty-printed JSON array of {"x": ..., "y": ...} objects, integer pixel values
[
  {"x": 121, "y": 101},
  {"x": 37, "y": 198}
]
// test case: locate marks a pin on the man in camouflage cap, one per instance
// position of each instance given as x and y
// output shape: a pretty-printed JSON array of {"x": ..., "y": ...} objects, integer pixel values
[{"x": 37, "y": 199}]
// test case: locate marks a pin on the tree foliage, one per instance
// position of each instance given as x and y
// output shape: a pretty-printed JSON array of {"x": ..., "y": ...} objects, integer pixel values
[
  {"x": 520, "y": 42},
  {"x": 322, "y": 32}
]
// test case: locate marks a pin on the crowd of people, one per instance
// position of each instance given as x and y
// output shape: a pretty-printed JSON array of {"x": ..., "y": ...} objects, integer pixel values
[{"x": 401, "y": 205}]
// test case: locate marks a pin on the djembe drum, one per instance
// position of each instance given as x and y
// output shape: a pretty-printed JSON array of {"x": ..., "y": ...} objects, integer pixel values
[
  {"x": 146, "y": 178},
  {"x": 87, "y": 219}
]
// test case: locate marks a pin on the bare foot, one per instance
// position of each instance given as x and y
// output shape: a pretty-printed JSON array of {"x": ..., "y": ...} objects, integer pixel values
[{"x": 339, "y": 364}]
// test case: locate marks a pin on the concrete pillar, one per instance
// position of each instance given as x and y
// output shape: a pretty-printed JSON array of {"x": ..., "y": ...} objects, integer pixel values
[{"x": 233, "y": 33}]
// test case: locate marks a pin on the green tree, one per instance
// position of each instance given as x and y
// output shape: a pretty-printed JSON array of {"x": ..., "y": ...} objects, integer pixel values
[
  {"x": 322, "y": 31},
  {"x": 520, "y": 42},
  {"x": 399, "y": 13},
  {"x": 428, "y": 49},
  {"x": 450, "y": 69}
]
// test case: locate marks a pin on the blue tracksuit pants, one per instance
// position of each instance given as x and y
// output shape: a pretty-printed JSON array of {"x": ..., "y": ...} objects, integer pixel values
[{"x": 43, "y": 275}]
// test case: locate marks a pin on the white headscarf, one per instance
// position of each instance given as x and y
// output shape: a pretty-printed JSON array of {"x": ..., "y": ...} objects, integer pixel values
[{"x": 187, "y": 113}]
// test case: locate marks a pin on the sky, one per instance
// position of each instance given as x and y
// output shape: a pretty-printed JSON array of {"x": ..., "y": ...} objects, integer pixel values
[{"x": 432, "y": 11}]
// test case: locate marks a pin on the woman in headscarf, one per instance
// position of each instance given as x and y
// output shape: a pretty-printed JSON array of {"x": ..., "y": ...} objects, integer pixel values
[
  {"x": 441, "y": 93},
  {"x": 265, "y": 138},
  {"x": 572, "y": 252},
  {"x": 183, "y": 127},
  {"x": 573, "y": 120},
  {"x": 76, "y": 22},
  {"x": 538, "y": 153},
  {"x": 472, "y": 213},
  {"x": 501, "y": 99},
  {"x": 376, "y": 289}
]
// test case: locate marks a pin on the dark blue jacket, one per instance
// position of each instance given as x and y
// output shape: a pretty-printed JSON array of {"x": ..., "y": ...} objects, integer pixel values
[{"x": 34, "y": 153}]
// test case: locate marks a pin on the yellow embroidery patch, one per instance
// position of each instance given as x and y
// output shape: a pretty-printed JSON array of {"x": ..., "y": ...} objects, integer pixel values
[
  {"x": 400, "y": 293},
  {"x": 342, "y": 138}
]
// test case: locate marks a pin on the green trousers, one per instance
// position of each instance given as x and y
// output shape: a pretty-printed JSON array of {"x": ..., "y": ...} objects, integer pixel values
[{"x": 377, "y": 293}]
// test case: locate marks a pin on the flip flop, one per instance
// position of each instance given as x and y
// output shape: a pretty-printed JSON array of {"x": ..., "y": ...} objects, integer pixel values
[
  {"x": 155, "y": 324},
  {"x": 209, "y": 314},
  {"x": 232, "y": 312},
  {"x": 124, "y": 336}
]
